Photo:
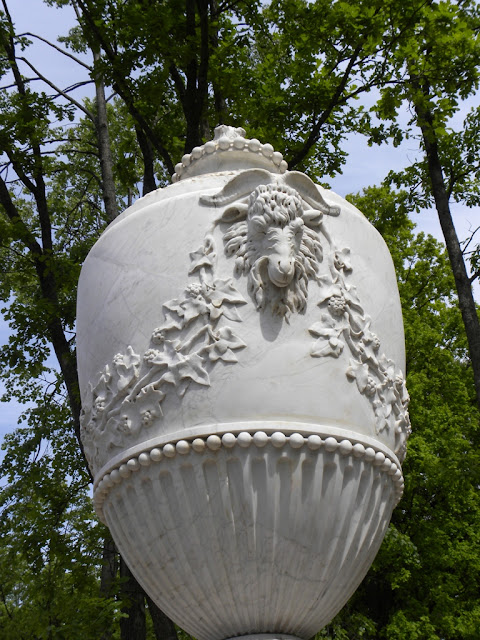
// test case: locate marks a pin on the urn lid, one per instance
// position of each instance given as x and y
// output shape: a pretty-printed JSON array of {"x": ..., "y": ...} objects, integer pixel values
[{"x": 229, "y": 150}]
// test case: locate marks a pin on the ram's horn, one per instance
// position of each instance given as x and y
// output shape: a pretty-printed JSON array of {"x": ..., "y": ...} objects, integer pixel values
[
  {"x": 241, "y": 185},
  {"x": 309, "y": 192}
]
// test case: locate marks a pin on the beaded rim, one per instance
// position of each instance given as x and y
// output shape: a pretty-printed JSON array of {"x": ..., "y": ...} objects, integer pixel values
[
  {"x": 245, "y": 439},
  {"x": 230, "y": 139}
]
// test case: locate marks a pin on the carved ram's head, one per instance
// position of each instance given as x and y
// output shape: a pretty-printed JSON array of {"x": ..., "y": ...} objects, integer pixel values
[{"x": 273, "y": 235}]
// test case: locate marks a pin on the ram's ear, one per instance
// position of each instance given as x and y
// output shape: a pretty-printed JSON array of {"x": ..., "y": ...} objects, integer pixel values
[
  {"x": 234, "y": 214},
  {"x": 238, "y": 187},
  {"x": 309, "y": 192},
  {"x": 312, "y": 218}
]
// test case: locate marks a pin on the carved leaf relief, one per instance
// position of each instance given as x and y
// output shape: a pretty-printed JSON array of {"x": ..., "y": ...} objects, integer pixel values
[
  {"x": 278, "y": 238},
  {"x": 193, "y": 338},
  {"x": 343, "y": 323},
  {"x": 275, "y": 230}
]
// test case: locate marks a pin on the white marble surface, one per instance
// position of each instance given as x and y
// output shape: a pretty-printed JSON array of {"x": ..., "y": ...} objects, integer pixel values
[
  {"x": 252, "y": 535},
  {"x": 240, "y": 351},
  {"x": 143, "y": 262}
]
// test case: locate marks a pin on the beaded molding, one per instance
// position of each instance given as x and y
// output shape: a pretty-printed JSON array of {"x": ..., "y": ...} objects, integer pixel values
[
  {"x": 227, "y": 139},
  {"x": 244, "y": 439}
]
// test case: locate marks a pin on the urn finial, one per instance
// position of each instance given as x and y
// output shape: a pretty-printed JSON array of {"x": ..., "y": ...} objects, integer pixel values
[{"x": 229, "y": 150}]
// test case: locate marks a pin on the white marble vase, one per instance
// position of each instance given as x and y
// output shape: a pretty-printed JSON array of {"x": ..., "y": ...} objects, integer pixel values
[{"x": 240, "y": 351}]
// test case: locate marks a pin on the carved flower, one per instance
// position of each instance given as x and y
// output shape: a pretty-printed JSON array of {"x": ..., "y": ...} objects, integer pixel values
[
  {"x": 338, "y": 298},
  {"x": 360, "y": 372},
  {"x": 154, "y": 357},
  {"x": 118, "y": 428},
  {"x": 213, "y": 300},
  {"x": 99, "y": 405},
  {"x": 341, "y": 260},
  {"x": 327, "y": 289},
  {"x": 158, "y": 335},
  {"x": 196, "y": 303},
  {"x": 401, "y": 388},
  {"x": 195, "y": 290},
  {"x": 148, "y": 403},
  {"x": 368, "y": 347},
  {"x": 144, "y": 409},
  {"x": 370, "y": 386},
  {"x": 337, "y": 305},
  {"x": 124, "y": 425},
  {"x": 402, "y": 425}
]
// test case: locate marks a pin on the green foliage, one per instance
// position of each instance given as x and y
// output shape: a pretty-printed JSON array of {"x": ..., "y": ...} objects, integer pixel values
[
  {"x": 51, "y": 548},
  {"x": 434, "y": 60},
  {"x": 425, "y": 581}
]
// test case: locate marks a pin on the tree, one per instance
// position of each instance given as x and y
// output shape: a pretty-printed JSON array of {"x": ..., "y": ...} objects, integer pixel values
[
  {"x": 41, "y": 257},
  {"x": 432, "y": 69},
  {"x": 425, "y": 580}
]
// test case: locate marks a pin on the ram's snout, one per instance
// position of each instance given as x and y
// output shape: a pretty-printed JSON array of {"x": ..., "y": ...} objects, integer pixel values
[{"x": 283, "y": 246}]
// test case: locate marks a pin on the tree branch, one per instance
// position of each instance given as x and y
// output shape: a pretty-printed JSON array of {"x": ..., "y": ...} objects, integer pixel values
[
  {"x": 120, "y": 85},
  {"x": 59, "y": 91},
  {"x": 315, "y": 132},
  {"x": 54, "y": 46}
]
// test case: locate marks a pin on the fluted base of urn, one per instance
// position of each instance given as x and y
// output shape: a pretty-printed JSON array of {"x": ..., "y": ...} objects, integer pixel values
[{"x": 252, "y": 532}]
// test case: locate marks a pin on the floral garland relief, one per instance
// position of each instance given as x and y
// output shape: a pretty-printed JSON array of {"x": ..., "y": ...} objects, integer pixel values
[
  {"x": 129, "y": 393},
  {"x": 194, "y": 336},
  {"x": 343, "y": 322}
]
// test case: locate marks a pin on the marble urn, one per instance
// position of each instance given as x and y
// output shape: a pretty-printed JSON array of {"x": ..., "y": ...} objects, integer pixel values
[{"x": 240, "y": 351}]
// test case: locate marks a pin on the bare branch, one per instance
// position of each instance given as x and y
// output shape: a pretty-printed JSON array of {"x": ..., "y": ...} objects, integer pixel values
[
  {"x": 88, "y": 113},
  {"x": 54, "y": 46},
  {"x": 77, "y": 85},
  {"x": 475, "y": 276},
  {"x": 466, "y": 242},
  {"x": 14, "y": 84}
]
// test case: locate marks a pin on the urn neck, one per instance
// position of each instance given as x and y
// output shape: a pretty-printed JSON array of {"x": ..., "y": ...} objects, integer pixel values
[{"x": 229, "y": 150}]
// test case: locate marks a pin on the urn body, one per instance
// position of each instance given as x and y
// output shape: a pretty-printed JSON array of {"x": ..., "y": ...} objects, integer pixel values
[{"x": 240, "y": 348}]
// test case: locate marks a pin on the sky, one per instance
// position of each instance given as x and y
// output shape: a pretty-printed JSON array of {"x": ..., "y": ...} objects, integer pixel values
[{"x": 365, "y": 165}]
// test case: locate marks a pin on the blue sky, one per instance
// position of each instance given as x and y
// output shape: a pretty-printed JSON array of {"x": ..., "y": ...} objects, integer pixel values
[{"x": 365, "y": 165}]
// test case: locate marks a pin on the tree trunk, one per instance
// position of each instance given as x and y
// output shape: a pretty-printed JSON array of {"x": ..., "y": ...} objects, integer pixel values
[
  {"x": 103, "y": 138},
  {"x": 93, "y": 33},
  {"x": 162, "y": 625},
  {"x": 133, "y": 626},
  {"x": 149, "y": 183},
  {"x": 463, "y": 285},
  {"x": 108, "y": 574},
  {"x": 219, "y": 100}
]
